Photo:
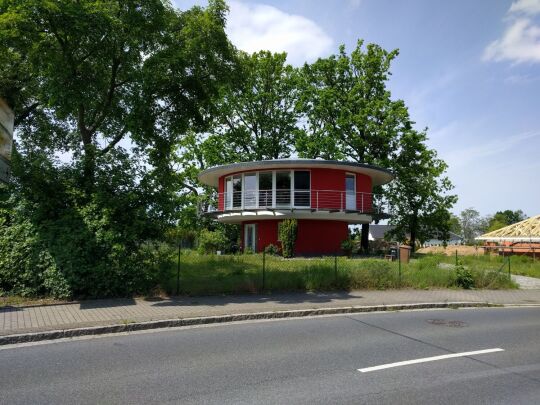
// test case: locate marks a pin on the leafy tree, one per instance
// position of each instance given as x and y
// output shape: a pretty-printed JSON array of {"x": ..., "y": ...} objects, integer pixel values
[
  {"x": 505, "y": 218},
  {"x": 349, "y": 112},
  {"x": 257, "y": 117},
  {"x": 110, "y": 86},
  {"x": 455, "y": 225},
  {"x": 418, "y": 197},
  {"x": 471, "y": 223}
]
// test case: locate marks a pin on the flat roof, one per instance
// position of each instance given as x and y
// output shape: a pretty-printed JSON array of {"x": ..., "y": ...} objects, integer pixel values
[{"x": 378, "y": 175}]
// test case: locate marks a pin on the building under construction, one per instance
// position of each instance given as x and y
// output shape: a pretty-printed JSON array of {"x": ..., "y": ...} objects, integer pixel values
[{"x": 522, "y": 238}]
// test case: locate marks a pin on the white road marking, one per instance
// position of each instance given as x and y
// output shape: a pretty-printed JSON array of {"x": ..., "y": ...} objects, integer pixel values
[{"x": 426, "y": 359}]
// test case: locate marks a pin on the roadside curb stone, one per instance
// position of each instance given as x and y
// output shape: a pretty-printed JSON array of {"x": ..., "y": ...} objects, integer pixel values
[{"x": 207, "y": 320}]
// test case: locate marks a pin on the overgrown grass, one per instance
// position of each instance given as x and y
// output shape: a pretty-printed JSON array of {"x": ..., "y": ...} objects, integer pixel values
[
  {"x": 521, "y": 265},
  {"x": 227, "y": 274}
]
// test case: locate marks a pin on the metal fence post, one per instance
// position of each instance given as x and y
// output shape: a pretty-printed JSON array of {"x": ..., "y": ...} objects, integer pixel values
[
  {"x": 509, "y": 273},
  {"x": 335, "y": 267},
  {"x": 263, "y": 269},
  {"x": 456, "y": 258},
  {"x": 178, "y": 271},
  {"x": 399, "y": 270}
]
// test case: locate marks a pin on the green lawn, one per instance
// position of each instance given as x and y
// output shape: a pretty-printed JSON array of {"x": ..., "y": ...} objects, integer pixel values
[
  {"x": 521, "y": 265},
  {"x": 227, "y": 274}
]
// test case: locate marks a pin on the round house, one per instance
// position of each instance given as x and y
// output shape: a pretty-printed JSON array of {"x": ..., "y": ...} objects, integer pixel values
[{"x": 324, "y": 196}]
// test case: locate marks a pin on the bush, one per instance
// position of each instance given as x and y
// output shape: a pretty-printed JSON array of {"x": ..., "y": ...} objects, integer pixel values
[
  {"x": 26, "y": 266},
  {"x": 347, "y": 246},
  {"x": 272, "y": 249},
  {"x": 211, "y": 241},
  {"x": 464, "y": 277},
  {"x": 287, "y": 234}
]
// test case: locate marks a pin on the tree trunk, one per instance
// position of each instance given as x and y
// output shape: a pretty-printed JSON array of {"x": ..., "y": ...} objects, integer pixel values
[
  {"x": 89, "y": 167},
  {"x": 414, "y": 224},
  {"x": 364, "y": 241}
]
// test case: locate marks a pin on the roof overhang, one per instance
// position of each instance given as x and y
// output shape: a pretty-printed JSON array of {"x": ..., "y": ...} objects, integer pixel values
[
  {"x": 235, "y": 217},
  {"x": 378, "y": 175}
]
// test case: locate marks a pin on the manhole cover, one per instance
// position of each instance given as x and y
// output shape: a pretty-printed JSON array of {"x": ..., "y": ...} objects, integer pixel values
[{"x": 449, "y": 323}]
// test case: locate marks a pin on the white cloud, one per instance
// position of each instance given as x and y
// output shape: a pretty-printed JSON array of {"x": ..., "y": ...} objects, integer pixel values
[
  {"x": 253, "y": 27},
  {"x": 530, "y": 7},
  {"x": 520, "y": 43},
  {"x": 472, "y": 155},
  {"x": 521, "y": 40}
]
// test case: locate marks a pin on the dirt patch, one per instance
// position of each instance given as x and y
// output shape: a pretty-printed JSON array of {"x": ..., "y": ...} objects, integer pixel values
[{"x": 451, "y": 250}]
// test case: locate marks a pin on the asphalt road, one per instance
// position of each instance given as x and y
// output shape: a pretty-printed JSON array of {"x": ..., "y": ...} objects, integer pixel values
[{"x": 296, "y": 361}]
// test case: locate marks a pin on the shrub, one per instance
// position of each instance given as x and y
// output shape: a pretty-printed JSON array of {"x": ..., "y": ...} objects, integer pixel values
[
  {"x": 347, "y": 246},
  {"x": 287, "y": 234},
  {"x": 211, "y": 241},
  {"x": 464, "y": 277},
  {"x": 272, "y": 249}
]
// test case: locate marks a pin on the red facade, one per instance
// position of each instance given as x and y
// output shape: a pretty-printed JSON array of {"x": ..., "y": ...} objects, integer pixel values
[
  {"x": 314, "y": 237},
  {"x": 327, "y": 189}
]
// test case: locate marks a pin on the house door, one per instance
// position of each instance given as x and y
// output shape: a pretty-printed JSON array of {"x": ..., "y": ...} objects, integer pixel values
[
  {"x": 350, "y": 192},
  {"x": 250, "y": 237}
]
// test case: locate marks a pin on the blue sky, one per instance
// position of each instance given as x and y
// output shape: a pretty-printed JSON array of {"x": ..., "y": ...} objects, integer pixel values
[{"x": 468, "y": 70}]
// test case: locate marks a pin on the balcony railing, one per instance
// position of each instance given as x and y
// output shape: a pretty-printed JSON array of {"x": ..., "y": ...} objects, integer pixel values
[{"x": 315, "y": 200}]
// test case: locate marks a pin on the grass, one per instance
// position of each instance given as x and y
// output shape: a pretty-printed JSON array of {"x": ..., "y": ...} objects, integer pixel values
[
  {"x": 521, "y": 265},
  {"x": 229, "y": 274}
]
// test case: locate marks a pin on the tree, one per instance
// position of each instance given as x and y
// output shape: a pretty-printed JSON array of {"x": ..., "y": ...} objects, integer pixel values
[
  {"x": 454, "y": 225},
  {"x": 472, "y": 224},
  {"x": 505, "y": 218},
  {"x": 418, "y": 197},
  {"x": 349, "y": 112},
  {"x": 256, "y": 118},
  {"x": 111, "y": 86}
]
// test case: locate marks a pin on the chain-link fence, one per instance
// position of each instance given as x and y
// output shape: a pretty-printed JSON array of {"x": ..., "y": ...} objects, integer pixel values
[{"x": 197, "y": 274}]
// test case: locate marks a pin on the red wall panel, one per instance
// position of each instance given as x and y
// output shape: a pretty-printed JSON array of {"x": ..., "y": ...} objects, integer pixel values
[
  {"x": 363, "y": 185},
  {"x": 324, "y": 184},
  {"x": 221, "y": 193},
  {"x": 327, "y": 189},
  {"x": 315, "y": 237}
]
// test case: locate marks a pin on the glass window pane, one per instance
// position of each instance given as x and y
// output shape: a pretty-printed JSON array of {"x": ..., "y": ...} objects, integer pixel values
[
  {"x": 237, "y": 191},
  {"x": 250, "y": 189},
  {"x": 265, "y": 189},
  {"x": 283, "y": 188},
  {"x": 301, "y": 180},
  {"x": 301, "y": 188},
  {"x": 349, "y": 183},
  {"x": 228, "y": 193}
]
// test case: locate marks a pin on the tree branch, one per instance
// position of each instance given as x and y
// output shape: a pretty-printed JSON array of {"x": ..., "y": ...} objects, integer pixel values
[
  {"x": 25, "y": 113},
  {"x": 113, "y": 142}
]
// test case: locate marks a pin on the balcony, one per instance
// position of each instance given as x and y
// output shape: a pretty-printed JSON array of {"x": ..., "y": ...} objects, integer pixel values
[{"x": 296, "y": 200}]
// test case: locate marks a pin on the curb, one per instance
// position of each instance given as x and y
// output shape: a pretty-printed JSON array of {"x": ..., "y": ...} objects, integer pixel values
[{"x": 207, "y": 320}]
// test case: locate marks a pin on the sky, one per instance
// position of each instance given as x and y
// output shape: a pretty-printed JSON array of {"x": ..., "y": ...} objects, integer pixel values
[{"x": 469, "y": 71}]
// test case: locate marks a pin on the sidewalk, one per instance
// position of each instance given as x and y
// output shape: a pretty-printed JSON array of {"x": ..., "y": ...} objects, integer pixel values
[{"x": 18, "y": 320}]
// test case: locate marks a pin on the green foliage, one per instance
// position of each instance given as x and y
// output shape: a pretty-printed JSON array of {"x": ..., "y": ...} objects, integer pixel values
[
  {"x": 472, "y": 224},
  {"x": 112, "y": 86},
  {"x": 505, "y": 218},
  {"x": 26, "y": 267},
  {"x": 272, "y": 249},
  {"x": 287, "y": 235},
  {"x": 349, "y": 111},
  {"x": 347, "y": 246},
  {"x": 464, "y": 278},
  {"x": 418, "y": 197},
  {"x": 211, "y": 241}
]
